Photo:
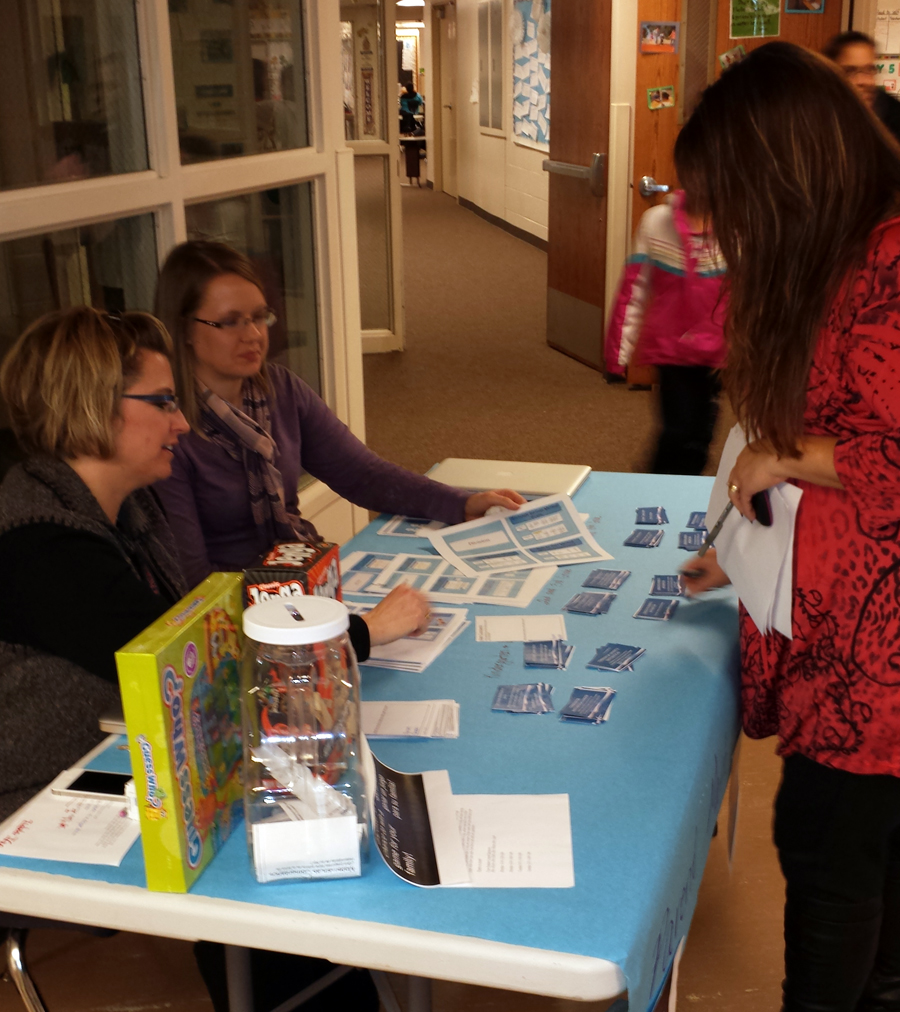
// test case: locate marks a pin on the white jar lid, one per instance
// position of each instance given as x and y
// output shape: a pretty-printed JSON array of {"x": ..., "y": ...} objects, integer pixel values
[{"x": 287, "y": 621}]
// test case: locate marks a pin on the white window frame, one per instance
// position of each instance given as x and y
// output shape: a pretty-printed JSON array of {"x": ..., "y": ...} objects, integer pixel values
[{"x": 168, "y": 186}]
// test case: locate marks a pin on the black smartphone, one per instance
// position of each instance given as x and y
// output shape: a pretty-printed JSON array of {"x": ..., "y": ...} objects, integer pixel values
[{"x": 762, "y": 507}]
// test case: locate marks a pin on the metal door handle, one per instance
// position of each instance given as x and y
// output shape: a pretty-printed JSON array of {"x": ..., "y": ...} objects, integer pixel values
[
  {"x": 648, "y": 186},
  {"x": 595, "y": 173},
  {"x": 448, "y": 106}
]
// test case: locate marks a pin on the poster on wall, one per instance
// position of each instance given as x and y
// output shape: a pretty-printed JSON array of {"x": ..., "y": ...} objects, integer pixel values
[
  {"x": 887, "y": 29},
  {"x": 755, "y": 19},
  {"x": 887, "y": 72},
  {"x": 530, "y": 31}
]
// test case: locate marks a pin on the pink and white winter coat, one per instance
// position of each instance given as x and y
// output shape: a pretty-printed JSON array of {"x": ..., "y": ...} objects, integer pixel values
[{"x": 670, "y": 308}]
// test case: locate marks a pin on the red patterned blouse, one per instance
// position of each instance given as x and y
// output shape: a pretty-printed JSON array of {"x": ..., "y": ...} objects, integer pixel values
[{"x": 832, "y": 693}]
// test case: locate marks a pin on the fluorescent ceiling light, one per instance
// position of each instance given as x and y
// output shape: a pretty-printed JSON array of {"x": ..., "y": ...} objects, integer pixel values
[{"x": 410, "y": 3}]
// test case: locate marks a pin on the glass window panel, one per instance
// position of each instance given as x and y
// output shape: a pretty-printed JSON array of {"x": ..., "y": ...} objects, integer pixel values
[
  {"x": 374, "y": 235},
  {"x": 111, "y": 266},
  {"x": 363, "y": 59},
  {"x": 496, "y": 33},
  {"x": 240, "y": 77},
  {"x": 484, "y": 68},
  {"x": 71, "y": 92},
  {"x": 274, "y": 228}
]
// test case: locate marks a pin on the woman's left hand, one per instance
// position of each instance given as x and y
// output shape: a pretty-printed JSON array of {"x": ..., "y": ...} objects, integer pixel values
[
  {"x": 756, "y": 468},
  {"x": 477, "y": 504}
]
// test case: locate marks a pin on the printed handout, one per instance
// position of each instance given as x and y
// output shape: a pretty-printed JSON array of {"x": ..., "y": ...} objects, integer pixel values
[
  {"x": 546, "y": 531},
  {"x": 409, "y": 527},
  {"x": 420, "y": 718},
  {"x": 442, "y": 581},
  {"x": 82, "y": 830},
  {"x": 430, "y": 837},
  {"x": 415, "y": 653}
]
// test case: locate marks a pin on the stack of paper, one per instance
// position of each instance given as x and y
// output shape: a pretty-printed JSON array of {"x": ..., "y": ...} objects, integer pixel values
[
  {"x": 546, "y": 531},
  {"x": 415, "y": 653},
  {"x": 759, "y": 560},
  {"x": 423, "y": 718}
]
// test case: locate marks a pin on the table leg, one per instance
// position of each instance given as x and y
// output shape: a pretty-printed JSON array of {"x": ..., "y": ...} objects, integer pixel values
[
  {"x": 418, "y": 994},
  {"x": 239, "y": 977}
]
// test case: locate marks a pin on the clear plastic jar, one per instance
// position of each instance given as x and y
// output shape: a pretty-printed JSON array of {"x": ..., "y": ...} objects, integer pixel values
[{"x": 304, "y": 792}]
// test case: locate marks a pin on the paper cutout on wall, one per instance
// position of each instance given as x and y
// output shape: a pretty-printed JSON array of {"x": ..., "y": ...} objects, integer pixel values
[{"x": 531, "y": 79}]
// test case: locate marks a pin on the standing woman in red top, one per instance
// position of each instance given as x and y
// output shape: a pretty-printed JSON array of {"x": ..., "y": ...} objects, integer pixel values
[{"x": 802, "y": 187}]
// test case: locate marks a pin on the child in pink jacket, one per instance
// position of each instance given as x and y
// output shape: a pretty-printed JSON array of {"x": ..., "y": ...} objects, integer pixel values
[{"x": 670, "y": 313}]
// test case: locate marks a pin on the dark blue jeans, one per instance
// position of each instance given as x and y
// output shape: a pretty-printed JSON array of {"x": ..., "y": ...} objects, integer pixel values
[{"x": 689, "y": 406}]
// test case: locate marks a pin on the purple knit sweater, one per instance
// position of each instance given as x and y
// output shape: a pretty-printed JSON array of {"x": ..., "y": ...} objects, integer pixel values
[{"x": 208, "y": 503}]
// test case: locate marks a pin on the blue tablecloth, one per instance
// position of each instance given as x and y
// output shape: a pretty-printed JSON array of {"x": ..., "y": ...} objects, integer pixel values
[{"x": 644, "y": 788}]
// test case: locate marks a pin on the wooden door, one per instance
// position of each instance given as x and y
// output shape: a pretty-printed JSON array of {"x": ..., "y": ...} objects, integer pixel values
[
  {"x": 448, "y": 100},
  {"x": 579, "y": 129},
  {"x": 704, "y": 35}
]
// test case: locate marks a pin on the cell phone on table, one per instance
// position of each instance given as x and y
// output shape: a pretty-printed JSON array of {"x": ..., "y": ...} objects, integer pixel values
[
  {"x": 97, "y": 784},
  {"x": 762, "y": 507}
]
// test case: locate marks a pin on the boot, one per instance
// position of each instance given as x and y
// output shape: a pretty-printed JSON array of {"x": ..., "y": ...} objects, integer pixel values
[
  {"x": 882, "y": 992},
  {"x": 829, "y": 952}
]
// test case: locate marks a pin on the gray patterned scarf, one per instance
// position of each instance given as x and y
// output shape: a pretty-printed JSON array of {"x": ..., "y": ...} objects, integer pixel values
[{"x": 246, "y": 436}]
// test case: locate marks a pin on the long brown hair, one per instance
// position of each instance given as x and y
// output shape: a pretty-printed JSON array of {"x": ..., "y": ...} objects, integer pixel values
[
  {"x": 795, "y": 173},
  {"x": 188, "y": 269}
]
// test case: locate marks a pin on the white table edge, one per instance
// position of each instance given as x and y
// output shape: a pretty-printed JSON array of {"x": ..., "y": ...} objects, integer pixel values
[{"x": 390, "y": 947}]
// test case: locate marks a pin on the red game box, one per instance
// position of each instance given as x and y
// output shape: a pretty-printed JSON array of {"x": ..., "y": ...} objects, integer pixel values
[{"x": 294, "y": 569}]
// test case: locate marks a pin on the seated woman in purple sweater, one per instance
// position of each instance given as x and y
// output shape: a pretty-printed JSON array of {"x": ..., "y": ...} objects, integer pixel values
[{"x": 255, "y": 426}]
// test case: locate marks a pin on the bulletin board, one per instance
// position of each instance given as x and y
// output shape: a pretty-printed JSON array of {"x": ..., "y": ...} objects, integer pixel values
[{"x": 531, "y": 72}]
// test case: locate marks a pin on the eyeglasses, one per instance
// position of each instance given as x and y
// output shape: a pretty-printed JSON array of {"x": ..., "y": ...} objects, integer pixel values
[
  {"x": 165, "y": 402},
  {"x": 264, "y": 318},
  {"x": 869, "y": 70}
]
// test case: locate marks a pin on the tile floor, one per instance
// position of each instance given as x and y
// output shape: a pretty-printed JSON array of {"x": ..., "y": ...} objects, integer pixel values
[{"x": 732, "y": 962}]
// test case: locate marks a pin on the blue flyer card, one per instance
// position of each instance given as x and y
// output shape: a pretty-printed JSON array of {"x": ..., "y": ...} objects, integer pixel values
[
  {"x": 691, "y": 540},
  {"x": 587, "y": 603},
  {"x": 547, "y": 654},
  {"x": 667, "y": 586},
  {"x": 644, "y": 539},
  {"x": 615, "y": 657},
  {"x": 531, "y": 698},
  {"x": 588, "y": 704},
  {"x": 607, "y": 579},
  {"x": 658, "y": 610},
  {"x": 697, "y": 520},
  {"x": 650, "y": 515}
]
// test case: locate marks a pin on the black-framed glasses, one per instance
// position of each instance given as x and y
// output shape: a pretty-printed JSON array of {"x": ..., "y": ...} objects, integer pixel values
[
  {"x": 165, "y": 402},
  {"x": 264, "y": 318}
]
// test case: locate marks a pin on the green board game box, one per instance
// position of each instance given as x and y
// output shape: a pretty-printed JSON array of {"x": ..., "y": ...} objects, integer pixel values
[{"x": 180, "y": 685}]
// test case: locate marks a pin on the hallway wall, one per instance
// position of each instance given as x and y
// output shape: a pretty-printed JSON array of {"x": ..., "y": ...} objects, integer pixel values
[{"x": 495, "y": 173}]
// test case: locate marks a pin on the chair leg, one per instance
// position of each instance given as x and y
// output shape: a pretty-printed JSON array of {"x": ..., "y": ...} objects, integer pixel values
[{"x": 15, "y": 962}]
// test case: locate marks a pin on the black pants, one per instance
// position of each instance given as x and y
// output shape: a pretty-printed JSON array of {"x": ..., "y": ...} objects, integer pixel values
[
  {"x": 838, "y": 840},
  {"x": 689, "y": 405}
]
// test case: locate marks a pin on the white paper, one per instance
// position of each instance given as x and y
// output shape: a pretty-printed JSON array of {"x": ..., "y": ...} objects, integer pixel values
[
  {"x": 545, "y": 531},
  {"x": 516, "y": 841},
  {"x": 519, "y": 628},
  {"x": 312, "y": 849},
  {"x": 58, "y": 828},
  {"x": 448, "y": 848},
  {"x": 423, "y": 718},
  {"x": 520, "y": 71},
  {"x": 757, "y": 559}
]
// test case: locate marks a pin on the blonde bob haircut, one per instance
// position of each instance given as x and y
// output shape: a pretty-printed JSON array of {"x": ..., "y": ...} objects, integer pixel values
[{"x": 64, "y": 378}]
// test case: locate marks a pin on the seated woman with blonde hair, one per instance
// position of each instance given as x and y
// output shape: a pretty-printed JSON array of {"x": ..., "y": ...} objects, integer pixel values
[
  {"x": 87, "y": 558},
  {"x": 256, "y": 427}
]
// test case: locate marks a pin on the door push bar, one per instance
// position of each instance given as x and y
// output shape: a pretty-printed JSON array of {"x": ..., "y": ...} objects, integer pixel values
[{"x": 595, "y": 173}]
